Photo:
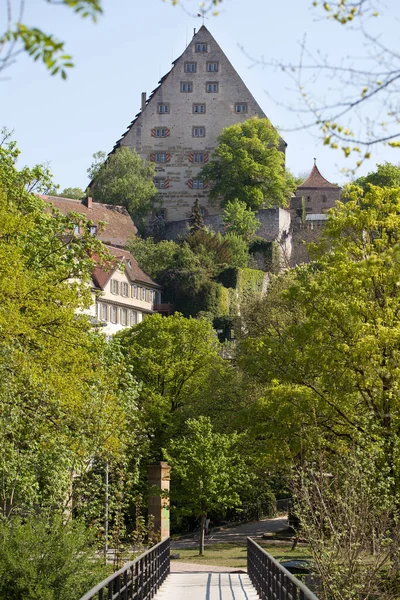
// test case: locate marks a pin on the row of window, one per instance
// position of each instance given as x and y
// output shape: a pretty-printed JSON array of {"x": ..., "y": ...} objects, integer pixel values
[
  {"x": 161, "y": 132},
  {"x": 163, "y": 108},
  {"x": 163, "y": 183},
  {"x": 117, "y": 314},
  {"x": 211, "y": 87},
  {"x": 195, "y": 157},
  {"x": 211, "y": 67},
  {"x": 133, "y": 291}
]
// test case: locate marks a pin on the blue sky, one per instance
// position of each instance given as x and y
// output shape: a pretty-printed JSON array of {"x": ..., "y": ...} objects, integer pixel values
[{"x": 132, "y": 46}]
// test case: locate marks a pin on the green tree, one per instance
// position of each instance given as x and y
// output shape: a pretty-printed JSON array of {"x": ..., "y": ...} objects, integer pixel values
[
  {"x": 60, "y": 403},
  {"x": 249, "y": 164},
  {"x": 21, "y": 37},
  {"x": 72, "y": 192},
  {"x": 45, "y": 558},
  {"x": 386, "y": 175},
  {"x": 240, "y": 220},
  {"x": 330, "y": 346},
  {"x": 125, "y": 179},
  {"x": 196, "y": 218},
  {"x": 171, "y": 357},
  {"x": 207, "y": 469}
]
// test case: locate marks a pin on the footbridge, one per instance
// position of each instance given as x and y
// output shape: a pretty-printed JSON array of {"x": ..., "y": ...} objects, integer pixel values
[{"x": 149, "y": 576}]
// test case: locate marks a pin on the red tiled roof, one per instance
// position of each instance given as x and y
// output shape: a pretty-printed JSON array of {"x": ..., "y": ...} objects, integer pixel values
[
  {"x": 315, "y": 180},
  {"x": 102, "y": 273},
  {"x": 119, "y": 225}
]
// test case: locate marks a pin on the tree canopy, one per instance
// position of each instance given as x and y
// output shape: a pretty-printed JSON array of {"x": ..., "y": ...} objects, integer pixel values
[
  {"x": 249, "y": 164},
  {"x": 126, "y": 179}
]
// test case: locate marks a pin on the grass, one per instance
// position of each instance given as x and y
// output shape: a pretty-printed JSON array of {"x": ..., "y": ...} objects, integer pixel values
[{"x": 235, "y": 555}]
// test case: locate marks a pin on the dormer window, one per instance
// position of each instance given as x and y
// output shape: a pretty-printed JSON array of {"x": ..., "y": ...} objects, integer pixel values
[{"x": 92, "y": 229}]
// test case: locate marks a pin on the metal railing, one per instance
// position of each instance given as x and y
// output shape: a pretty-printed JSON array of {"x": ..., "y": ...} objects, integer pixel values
[
  {"x": 271, "y": 580},
  {"x": 137, "y": 580}
]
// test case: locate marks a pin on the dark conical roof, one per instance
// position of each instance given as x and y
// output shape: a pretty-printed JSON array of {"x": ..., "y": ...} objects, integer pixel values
[{"x": 315, "y": 180}]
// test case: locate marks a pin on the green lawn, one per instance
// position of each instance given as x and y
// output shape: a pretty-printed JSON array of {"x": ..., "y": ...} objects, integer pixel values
[{"x": 235, "y": 555}]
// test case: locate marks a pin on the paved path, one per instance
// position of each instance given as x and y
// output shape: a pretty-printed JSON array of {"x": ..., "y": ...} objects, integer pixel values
[
  {"x": 207, "y": 586},
  {"x": 239, "y": 533}
]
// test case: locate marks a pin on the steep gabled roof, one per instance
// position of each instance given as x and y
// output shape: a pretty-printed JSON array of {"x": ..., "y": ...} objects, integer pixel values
[
  {"x": 102, "y": 273},
  {"x": 119, "y": 226},
  {"x": 315, "y": 180},
  {"x": 202, "y": 34}
]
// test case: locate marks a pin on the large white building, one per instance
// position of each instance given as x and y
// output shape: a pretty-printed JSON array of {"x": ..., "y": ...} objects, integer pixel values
[{"x": 180, "y": 121}]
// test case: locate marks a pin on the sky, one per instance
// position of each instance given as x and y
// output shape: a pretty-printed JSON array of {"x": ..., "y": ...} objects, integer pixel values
[{"x": 132, "y": 45}]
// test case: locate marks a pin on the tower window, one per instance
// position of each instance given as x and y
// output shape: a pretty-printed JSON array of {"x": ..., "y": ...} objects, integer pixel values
[
  {"x": 159, "y": 183},
  {"x": 241, "y": 108},
  {"x": 198, "y": 157},
  {"x": 198, "y": 131},
  {"x": 199, "y": 108},
  {"x": 161, "y": 157},
  {"x": 160, "y": 132},
  {"x": 198, "y": 184},
  {"x": 163, "y": 109},
  {"x": 200, "y": 47},
  {"x": 186, "y": 87},
  {"x": 212, "y": 67},
  {"x": 212, "y": 86},
  {"x": 190, "y": 67}
]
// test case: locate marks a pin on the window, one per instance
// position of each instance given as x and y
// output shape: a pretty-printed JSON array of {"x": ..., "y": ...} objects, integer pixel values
[
  {"x": 190, "y": 67},
  {"x": 163, "y": 109},
  {"x": 241, "y": 108},
  {"x": 186, "y": 86},
  {"x": 76, "y": 229},
  {"x": 92, "y": 229},
  {"x": 143, "y": 294},
  {"x": 114, "y": 286},
  {"x": 198, "y": 184},
  {"x": 160, "y": 132},
  {"x": 199, "y": 108},
  {"x": 123, "y": 315},
  {"x": 201, "y": 47},
  {"x": 114, "y": 314},
  {"x": 212, "y": 67},
  {"x": 198, "y": 131},
  {"x": 159, "y": 183},
  {"x": 134, "y": 291},
  {"x": 157, "y": 298},
  {"x": 124, "y": 289},
  {"x": 198, "y": 157},
  {"x": 161, "y": 157},
  {"x": 133, "y": 317},
  {"x": 212, "y": 86},
  {"x": 103, "y": 312}
]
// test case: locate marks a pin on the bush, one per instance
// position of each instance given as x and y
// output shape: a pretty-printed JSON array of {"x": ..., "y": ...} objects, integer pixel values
[{"x": 42, "y": 559}]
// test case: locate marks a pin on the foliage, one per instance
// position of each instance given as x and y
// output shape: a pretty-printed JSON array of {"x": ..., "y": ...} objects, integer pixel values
[
  {"x": 153, "y": 257},
  {"x": 172, "y": 357},
  {"x": 72, "y": 192},
  {"x": 386, "y": 175},
  {"x": 248, "y": 164},
  {"x": 207, "y": 470},
  {"x": 326, "y": 337},
  {"x": 349, "y": 517},
  {"x": 47, "y": 559},
  {"x": 60, "y": 400},
  {"x": 126, "y": 179},
  {"x": 196, "y": 218},
  {"x": 20, "y": 37},
  {"x": 240, "y": 220}
]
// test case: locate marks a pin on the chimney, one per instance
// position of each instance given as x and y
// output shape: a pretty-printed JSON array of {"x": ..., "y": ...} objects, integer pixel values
[
  {"x": 143, "y": 101},
  {"x": 88, "y": 201}
]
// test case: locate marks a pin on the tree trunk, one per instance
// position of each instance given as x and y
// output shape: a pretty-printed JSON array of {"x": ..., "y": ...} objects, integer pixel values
[{"x": 202, "y": 524}]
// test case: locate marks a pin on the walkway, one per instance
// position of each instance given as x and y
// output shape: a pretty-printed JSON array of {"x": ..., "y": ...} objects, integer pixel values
[{"x": 207, "y": 586}]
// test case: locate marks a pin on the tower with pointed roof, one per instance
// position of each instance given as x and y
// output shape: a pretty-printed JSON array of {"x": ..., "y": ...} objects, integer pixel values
[
  {"x": 315, "y": 195},
  {"x": 178, "y": 125}
]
